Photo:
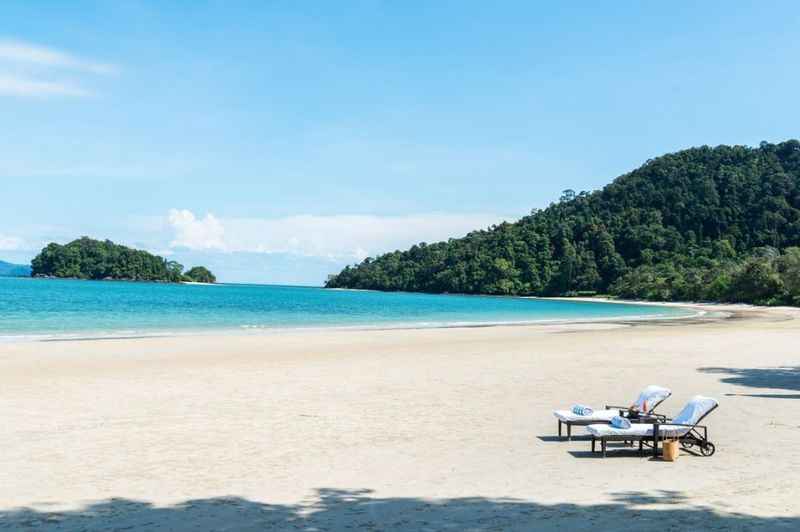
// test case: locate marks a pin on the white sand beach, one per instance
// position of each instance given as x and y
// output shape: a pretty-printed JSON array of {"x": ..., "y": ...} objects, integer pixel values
[{"x": 400, "y": 429}]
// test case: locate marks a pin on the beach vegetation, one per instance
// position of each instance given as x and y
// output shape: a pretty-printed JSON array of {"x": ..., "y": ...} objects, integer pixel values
[
  {"x": 703, "y": 224},
  {"x": 199, "y": 274}
]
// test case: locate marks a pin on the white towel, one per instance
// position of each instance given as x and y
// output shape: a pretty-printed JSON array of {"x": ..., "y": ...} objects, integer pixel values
[
  {"x": 620, "y": 422},
  {"x": 582, "y": 410}
]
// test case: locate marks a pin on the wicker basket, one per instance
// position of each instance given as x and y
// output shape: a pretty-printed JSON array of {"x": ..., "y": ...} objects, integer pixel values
[{"x": 671, "y": 450}]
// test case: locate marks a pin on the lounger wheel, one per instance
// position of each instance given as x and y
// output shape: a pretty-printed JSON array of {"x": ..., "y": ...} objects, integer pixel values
[
  {"x": 687, "y": 444},
  {"x": 708, "y": 449}
]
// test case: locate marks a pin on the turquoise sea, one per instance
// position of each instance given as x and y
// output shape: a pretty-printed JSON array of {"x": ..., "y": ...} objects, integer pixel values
[{"x": 50, "y": 308}]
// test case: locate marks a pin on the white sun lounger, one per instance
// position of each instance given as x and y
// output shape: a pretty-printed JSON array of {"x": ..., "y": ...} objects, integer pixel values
[
  {"x": 684, "y": 427},
  {"x": 652, "y": 396}
]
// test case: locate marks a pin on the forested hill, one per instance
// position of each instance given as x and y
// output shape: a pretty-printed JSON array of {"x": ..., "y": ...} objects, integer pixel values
[
  {"x": 700, "y": 224},
  {"x": 14, "y": 270},
  {"x": 86, "y": 258}
]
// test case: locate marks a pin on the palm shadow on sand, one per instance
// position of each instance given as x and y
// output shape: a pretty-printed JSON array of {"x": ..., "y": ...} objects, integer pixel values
[
  {"x": 349, "y": 510},
  {"x": 777, "y": 378}
]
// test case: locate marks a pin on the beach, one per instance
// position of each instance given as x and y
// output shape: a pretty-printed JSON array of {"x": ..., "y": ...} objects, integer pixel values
[{"x": 421, "y": 429}]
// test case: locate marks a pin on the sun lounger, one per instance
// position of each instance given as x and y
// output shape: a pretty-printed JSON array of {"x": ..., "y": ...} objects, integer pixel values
[
  {"x": 684, "y": 427},
  {"x": 651, "y": 396}
]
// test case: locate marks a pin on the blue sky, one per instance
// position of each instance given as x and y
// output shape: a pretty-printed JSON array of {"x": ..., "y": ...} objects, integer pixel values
[{"x": 278, "y": 141}]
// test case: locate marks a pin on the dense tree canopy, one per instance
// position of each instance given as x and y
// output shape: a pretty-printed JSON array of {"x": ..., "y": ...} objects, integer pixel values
[
  {"x": 701, "y": 224},
  {"x": 86, "y": 258},
  {"x": 200, "y": 274}
]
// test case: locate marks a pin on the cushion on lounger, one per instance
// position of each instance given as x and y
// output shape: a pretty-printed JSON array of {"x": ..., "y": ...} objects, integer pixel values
[
  {"x": 652, "y": 395},
  {"x": 635, "y": 430},
  {"x": 696, "y": 408},
  {"x": 597, "y": 415}
]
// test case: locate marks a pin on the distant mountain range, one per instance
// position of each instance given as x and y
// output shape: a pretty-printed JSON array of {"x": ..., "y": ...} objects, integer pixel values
[{"x": 14, "y": 270}]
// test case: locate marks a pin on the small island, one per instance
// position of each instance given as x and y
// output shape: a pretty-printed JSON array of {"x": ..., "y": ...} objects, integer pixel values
[{"x": 87, "y": 258}]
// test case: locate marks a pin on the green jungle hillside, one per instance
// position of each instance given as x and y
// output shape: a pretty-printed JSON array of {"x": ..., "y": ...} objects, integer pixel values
[{"x": 719, "y": 224}]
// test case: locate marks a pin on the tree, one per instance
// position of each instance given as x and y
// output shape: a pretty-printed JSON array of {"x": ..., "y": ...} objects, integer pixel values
[
  {"x": 567, "y": 195},
  {"x": 756, "y": 281},
  {"x": 200, "y": 274},
  {"x": 174, "y": 271},
  {"x": 788, "y": 267}
]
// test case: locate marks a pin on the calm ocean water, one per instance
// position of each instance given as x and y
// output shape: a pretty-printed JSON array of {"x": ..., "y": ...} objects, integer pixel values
[{"x": 66, "y": 308}]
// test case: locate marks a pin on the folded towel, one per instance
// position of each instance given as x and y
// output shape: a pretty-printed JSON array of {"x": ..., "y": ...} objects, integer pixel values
[
  {"x": 620, "y": 422},
  {"x": 582, "y": 410}
]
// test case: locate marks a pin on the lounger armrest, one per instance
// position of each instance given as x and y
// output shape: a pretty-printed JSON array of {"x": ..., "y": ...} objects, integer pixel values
[
  {"x": 671, "y": 424},
  {"x": 624, "y": 410}
]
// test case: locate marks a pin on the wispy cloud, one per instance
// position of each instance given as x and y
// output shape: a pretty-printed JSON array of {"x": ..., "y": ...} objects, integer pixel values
[
  {"x": 348, "y": 237},
  {"x": 19, "y": 86},
  {"x": 27, "y": 53},
  {"x": 32, "y": 70}
]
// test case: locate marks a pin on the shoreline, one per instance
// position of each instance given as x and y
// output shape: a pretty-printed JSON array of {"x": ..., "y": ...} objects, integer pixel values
[{"x": 700, "y": 314}]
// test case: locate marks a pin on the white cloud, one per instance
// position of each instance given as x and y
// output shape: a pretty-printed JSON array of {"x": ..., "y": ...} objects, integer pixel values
[
  {"x": 32, "y": 54},
  {"x": 11, "y": 243},
  {"x": 19, "y": 86},
  {"x": 351, "y": 237},
  {"x": 194, "y": 233},
  {"x": 28, "y": 69}
]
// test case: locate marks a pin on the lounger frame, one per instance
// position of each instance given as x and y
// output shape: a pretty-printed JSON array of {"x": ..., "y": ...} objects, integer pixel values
[
  {"x": 697, "y": 435},
  {"x": 623, "y": 410}
]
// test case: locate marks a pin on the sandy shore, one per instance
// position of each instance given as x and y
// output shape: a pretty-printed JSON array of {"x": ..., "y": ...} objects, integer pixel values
[{"x": 405, "y": 429}]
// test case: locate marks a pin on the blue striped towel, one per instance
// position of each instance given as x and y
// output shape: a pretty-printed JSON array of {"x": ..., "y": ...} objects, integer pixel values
[
  {"x": 582, "y": 410},
  {"x": 620, "y": 422}
]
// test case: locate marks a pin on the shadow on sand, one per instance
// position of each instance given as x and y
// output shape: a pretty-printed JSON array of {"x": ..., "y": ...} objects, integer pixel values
[
  {"x": 780, "y": 378},
  {"x": 359, "y": 510}
]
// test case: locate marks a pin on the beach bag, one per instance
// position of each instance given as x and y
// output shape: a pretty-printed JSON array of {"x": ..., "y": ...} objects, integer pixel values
[{"x": 671, "y": 449}]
